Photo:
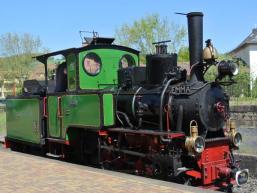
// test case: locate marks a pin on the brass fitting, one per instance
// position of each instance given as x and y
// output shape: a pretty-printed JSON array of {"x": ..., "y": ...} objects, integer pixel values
[
  {"x": 194, "y": 130},
  {"x": 209, "y": 52},
  {"x": 194, "y": 143},
  {"x": 234, "y": 136}
]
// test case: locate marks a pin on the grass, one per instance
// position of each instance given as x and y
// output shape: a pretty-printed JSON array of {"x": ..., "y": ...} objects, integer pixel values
[
  {"x": 242, "y": 101},
  {"x": 2, "y": 123}
]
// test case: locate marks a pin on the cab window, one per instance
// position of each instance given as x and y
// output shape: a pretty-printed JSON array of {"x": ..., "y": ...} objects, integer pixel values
[
  {"x": 127, "y": 61},
  {"x": 92, "y": 64},
  {"x": 57, "y": 75}
]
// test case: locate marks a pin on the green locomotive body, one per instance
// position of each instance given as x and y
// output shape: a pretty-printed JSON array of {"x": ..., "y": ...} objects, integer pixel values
[
  {"x": 87, "y": 102},
  {"x": 24, "y": 119}
]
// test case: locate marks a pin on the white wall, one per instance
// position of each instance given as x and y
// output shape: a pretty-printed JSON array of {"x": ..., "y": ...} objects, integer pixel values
[
  {"x": 253, "y": 63},
  {"x": 249, "y": 55},
  {"x": 244, "y": 54}
]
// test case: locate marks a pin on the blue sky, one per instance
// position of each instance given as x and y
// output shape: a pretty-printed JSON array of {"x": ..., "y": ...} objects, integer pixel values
[{"x": 57, "y": 22}]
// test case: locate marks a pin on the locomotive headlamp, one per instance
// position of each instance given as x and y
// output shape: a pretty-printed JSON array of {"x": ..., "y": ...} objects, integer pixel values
[
  {"x": 235, "y": 137},
  {"x": 194, "y": 144},
  {"x": 242, "y": 177},
  {"x": 199, "y": 144},
  {"x": 227, "y": 68}
]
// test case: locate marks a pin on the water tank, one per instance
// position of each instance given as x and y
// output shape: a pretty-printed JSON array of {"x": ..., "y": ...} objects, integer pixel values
[{"x": 158, "y": 65}]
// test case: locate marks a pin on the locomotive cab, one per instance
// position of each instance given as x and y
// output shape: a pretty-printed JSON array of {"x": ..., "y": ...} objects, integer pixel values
[{"x": 79, "y": 85}]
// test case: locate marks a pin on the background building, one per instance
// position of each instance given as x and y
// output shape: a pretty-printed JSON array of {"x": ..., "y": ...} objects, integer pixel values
[{"x": 247, "y": 51}]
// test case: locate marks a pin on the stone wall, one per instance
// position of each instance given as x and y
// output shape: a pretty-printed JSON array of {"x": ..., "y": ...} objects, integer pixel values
[{"x": 245, "y": 116}]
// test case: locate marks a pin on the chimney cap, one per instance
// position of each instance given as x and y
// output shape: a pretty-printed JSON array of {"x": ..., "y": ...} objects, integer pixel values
[{"x": 194, "y": 14}]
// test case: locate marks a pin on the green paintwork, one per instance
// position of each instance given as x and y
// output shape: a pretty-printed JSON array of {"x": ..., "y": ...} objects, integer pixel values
[
  {"x": 53, "y": 119},
  {"x": 80, "y": 111},
  {"x": 71, "y": 66},
  {"x": 110, "y": 64},
  {"x": 70, "y": 110},
  {"x": 23, "y": 119},
  {"x": 108, "y": 109}
]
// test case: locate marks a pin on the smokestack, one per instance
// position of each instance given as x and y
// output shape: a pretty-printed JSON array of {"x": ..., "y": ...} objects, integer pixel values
[{"x": 195, "y": 36}]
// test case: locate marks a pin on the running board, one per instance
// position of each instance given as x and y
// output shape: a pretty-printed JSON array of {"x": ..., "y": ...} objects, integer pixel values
[{"x": 56, "y": 140}]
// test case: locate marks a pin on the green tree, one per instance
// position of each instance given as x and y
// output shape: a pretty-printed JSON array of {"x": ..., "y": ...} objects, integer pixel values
[
  {"x": 183, "y": 54},
  {"x": 211, "y": 74},
  {"x": 151, "y": 28},
  {"x": 226, "y": 56},
  {"x": 254, "y": 89},
  {"x": 17, "y": 52},
  {"x": 242, "y": 86}
]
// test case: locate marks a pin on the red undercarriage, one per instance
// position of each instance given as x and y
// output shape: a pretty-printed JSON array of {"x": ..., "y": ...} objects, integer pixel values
[
  {"x": 212, "y": 168},
  {"x": 213, "y": 165}
]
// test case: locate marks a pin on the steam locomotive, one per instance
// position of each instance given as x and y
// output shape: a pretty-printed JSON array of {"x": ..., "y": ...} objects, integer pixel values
[{"x": 103, "y": 109}]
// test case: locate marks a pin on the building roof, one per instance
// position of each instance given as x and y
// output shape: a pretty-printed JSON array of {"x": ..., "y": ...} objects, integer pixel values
[
  {"x": 39, "y": 72},
  {"x": 186, "y": 66},
  {"x": 251, "y": 39}
]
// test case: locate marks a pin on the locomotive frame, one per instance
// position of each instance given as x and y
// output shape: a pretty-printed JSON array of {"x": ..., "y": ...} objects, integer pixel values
[{"x": 120, "y": 118}]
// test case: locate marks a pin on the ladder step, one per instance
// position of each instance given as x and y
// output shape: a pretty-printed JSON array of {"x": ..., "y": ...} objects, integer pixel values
[
  {"x": 56, "y": 140},
  {"x": 54, "y": 155}
]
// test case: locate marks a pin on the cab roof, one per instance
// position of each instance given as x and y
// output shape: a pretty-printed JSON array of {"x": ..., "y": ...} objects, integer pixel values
[{"x": 92, "y": 43}]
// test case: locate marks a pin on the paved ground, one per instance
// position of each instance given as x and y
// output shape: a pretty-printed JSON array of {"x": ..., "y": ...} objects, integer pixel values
[{"x": 26, "y": 173}]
